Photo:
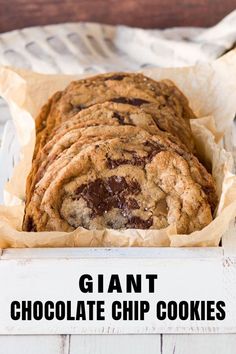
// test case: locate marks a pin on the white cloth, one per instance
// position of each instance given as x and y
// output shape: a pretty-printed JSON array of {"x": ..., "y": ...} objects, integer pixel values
[{"x": 74, "y": 48}]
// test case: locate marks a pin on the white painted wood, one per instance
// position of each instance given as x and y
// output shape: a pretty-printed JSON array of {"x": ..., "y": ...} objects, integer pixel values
[
  {"x": 127, "y": 253},
  {"x": 199, "y": 344},
  {"x": 112, "y": 344},
  {"x": 178, "y": 279},
  {"x": 130, "y": 344},
  {"x": 34, "y": 345}
]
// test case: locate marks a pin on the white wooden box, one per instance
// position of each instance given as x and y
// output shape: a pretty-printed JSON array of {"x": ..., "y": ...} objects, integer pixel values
[{"x": 187, "y": 274}]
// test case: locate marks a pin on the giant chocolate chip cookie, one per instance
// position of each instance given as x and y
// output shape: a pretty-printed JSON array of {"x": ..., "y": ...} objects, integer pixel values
[
  {"x": 133, "y": 89},
  {"x": 136, "y": 182}
]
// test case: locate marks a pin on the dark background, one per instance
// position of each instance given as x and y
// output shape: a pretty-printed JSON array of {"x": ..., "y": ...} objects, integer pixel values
[{"x": 140, "y": 13}]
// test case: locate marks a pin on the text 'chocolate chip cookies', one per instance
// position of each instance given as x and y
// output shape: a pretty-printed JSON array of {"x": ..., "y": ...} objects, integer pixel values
[{"x": 116, "y": 151}]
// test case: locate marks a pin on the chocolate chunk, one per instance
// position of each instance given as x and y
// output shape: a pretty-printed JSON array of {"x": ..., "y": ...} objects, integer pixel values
[
  {"x": 117, "y": 77},
  {"x": 155, "y": 148},
  {"x": 132, "y": 204},
  {"x": 136, "y": 160},
  {"x": 210, "y": 194},
  {"x": 80, "y": 189},
  {"x": 119, "y": 117},
  {"x": 30, "y": 224},
  {"x": 117, "y": 184},
  {"x": 103, "y": 195},
  {"x": 134, "y": 187},
  {"x": 136, "y": 222},
  {"x": 153, "y": 145},
  {"x": 132, "y": 101},
  {"x": 207, "y": 190},
  {"x": 97, "y": 193}
]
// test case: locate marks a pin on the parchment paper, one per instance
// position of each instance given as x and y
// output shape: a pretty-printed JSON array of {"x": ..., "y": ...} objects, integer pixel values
[{"x": 211, "y": 90}]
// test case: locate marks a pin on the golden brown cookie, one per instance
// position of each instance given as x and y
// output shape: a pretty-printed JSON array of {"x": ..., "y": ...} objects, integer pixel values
[
  {"x": 139, "y": 181},
  {"x": 57, "y": 153},
  {"x": 133, "y": 89},
  {"x": 150, "y": 118}
]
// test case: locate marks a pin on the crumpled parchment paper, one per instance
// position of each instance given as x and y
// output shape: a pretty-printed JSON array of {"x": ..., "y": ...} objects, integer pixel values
[{"x": 211, "y": 90}]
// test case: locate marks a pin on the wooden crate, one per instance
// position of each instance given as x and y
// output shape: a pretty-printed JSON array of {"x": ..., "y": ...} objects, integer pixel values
[{"x": 184, "y": 274}]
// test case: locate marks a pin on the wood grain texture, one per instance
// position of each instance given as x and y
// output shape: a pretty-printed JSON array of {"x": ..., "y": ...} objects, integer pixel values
[
  {"x": 214, "y": 278},
  {"x": 34, "y": 344},
  {"x": 202, "y": 343},
  {"x": 132, "y": 344},
  {"x": 140, "y": 13},
  {"x": 126, "y": 344}
]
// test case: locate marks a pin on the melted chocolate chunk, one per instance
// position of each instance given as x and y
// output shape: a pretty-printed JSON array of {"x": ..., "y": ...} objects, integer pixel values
[
  {"x": 152, "y": 145},
  {"x": 136, "y": 222},
  {"x": 132, "y": 204},
  {"x": 103, "y": 195},
  {"x": 80, "y": 189},
  {"x": 210, "y": 194},
  {"x": 119, "y": 117},
  {"x": 30, "y": 225},
  {"x": 116, "y": 77},
  {"x": 132, "y": 101},
  {"x": 117, "y": 184},
  {"x": 207, "y": 190},
  {"x": 134, "y": 187},
  {"x": 136, "y": 160},
  {"x": 155, "y": 148}
]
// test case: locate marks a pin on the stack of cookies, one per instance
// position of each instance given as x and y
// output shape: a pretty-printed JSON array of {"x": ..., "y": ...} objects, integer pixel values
[{"x": 116, "y": 151}]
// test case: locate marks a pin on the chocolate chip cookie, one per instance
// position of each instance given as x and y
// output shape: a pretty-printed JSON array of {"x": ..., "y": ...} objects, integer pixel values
[
  {"x": 115, "y": 151},
  {"x": 140, "y": 181},
  {"x": 58, "y": 154},
  {"x": 133, "y": 89},
  {"x": 109, "y": 113}
]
